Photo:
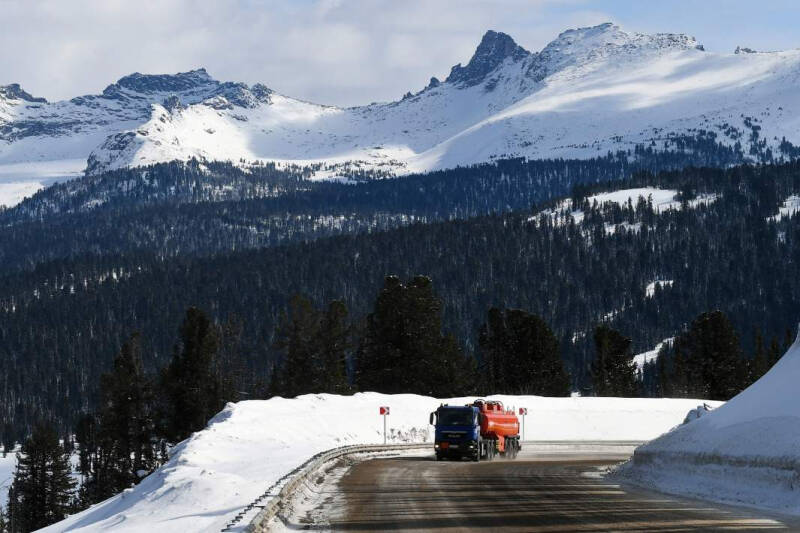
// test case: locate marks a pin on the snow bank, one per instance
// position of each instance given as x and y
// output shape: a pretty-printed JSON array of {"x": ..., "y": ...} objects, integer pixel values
[
  {"x": 745, "y": 452},
  {"x": 249, "y": 445}
]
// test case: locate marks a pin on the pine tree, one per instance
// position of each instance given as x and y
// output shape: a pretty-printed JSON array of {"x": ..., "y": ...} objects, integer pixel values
[
  {"x": 229, "y": 367},
  {"x": 191, "y": 390},
  {"x": 43, "y": 487},
  {"x": 774, "y": 352},
  {"x": 90, "y": 461},
  {"x": 334, "y": 343},
  {"x": 124, "y": 442},
  {"x": 86, "y": 436},
  {"x": 493, "y": 342},
  {"x": 713, "y": 358},
  {"x": 680, "y": 375},
  {"x": 298, "y": 337},
  {"x": 664, "y": 385},
  {"x": 613, "y": 371},
  {"x": 758, "y": 364},
  {"x": 7, "y": 439},
  {"x": 275, "y": 387},
  {"x": 788, "y": 340},
  {"x": 402, "y": 348},
  {"x": 521, "y": 355},
  {"x": 12, "y": 509}
]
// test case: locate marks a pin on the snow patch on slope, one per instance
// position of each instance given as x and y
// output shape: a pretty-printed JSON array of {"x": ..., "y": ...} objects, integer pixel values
[
  {"x": 662, "y": 200},
  {"x": 790, "y": 206},
  {"x": 21, "y": 180},
  {"x": 745, "y": 452},
  {"x": 651, "y": 355},
  {"x": 212, "y": 475},
  {"x": 14, "y": 192},
  {"x": 650, "y": 289}
]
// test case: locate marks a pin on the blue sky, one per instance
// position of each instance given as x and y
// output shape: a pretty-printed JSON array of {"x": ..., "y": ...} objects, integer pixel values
[{"x": 343, "y": 52}]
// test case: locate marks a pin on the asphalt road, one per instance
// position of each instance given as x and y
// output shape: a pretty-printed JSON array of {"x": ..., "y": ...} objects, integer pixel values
[{"x": 539, "y": 492}]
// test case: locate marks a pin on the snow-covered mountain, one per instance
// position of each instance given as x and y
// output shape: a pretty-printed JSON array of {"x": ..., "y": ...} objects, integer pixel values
[{"x": 589, "y": 91}]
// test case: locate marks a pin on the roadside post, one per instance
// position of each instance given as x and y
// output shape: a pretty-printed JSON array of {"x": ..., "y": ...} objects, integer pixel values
[
  {"x": 385, "y": 412},
  {"x": 523, "y": 411}
]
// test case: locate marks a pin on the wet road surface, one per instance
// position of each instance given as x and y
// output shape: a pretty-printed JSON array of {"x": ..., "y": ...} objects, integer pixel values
[{"x": 535, "y": 493}]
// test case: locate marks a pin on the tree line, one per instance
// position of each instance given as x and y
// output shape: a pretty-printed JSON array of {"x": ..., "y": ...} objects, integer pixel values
[
  {"x": 704, "y": 361},
  {"x": 62, "y": 321},
  {"x": 182, "y": 208}
]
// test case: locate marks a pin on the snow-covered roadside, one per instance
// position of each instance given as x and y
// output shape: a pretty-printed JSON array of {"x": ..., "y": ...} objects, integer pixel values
[
  {"x": 746, "y": 452},
  {"x": 249, "y": 445}
]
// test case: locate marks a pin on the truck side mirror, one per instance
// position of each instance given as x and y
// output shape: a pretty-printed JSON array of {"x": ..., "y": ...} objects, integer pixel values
[{"x": 433, "y": 415}]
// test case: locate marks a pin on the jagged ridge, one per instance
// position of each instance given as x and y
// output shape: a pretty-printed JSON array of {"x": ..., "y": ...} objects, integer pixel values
[{"x": 590, "y": 90}]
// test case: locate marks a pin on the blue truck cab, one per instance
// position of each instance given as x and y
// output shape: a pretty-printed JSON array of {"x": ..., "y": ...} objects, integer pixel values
[{"x": 458, "y": 432}]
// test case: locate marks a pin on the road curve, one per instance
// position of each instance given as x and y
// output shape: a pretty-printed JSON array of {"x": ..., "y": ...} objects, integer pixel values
[{"x": 535, "y": 493}]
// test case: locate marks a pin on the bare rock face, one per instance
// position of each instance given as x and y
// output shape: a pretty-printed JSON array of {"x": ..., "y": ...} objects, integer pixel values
[
  {"x": 495, "y": 47},
  {"x": 15, "y": 92}
]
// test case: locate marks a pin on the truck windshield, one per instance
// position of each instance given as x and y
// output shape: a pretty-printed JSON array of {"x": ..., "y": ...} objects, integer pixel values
[{"x": 455, "y": 417}]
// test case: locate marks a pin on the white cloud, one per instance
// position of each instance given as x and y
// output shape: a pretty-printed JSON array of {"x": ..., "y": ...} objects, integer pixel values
[{"x": 331, "y": 51}]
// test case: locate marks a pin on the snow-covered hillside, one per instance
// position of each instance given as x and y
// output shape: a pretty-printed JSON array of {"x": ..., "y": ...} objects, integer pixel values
[
  {"x": 589, "y": 91},
  {"x": 661, "y": 199},
  {"x": 249, "y": 445},
  {"x": 745, "y": 452}
]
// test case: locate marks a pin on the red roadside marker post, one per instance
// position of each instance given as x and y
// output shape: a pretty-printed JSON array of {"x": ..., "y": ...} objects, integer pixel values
[
  {"x": 523, "y": 411},
  {"x": 384, "y": 410}
]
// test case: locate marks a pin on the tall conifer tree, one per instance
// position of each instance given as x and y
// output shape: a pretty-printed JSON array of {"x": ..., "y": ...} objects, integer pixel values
[
  {"x": 521, "y": 355},
  {"x": 43, "y": 488},
  {"x": 613, "y": 370},
  {"x": 191, "y": 389},
  {"x": 402, "y": 348}
]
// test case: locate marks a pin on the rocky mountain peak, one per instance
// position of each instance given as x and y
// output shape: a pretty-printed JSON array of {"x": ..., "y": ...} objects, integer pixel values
[
  {"x": 172, "y": 103},
  {"x": 596, "y": 43},
  {"x": 150, "y": 83},
  {"x": 15, "y": 92},
  {"x": 494, "y": 48}
]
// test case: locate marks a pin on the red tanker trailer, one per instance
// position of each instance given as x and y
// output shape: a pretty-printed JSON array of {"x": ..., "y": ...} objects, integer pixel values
[
  {"x": 479, "y": 430},
  {"x": 499, "y": 425}
]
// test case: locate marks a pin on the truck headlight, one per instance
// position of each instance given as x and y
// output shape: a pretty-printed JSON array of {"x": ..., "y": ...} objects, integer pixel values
[{"x": 436, "y": 446}]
